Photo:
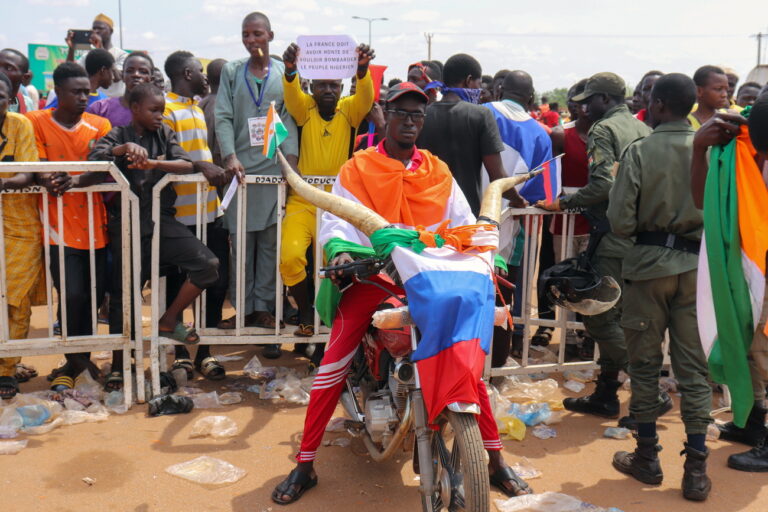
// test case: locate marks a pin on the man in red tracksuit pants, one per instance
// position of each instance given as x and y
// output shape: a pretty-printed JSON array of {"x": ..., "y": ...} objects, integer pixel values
[{"x": 408, "y": 187}]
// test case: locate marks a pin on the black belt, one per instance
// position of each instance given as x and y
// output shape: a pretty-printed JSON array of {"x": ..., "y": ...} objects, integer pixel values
[{"x": 668, "y": 240}]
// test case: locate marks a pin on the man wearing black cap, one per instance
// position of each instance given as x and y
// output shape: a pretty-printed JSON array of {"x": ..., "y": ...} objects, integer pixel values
[
  {"x": 408, "y": 187},
  {"x": 613, "y": 129}
]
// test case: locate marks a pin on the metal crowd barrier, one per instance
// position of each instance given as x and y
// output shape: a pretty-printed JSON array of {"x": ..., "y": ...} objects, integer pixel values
[
  {"x": 64, "y": 343},
  {"x": 240, "y": 335},
  {"x": 531, "y": 219}
]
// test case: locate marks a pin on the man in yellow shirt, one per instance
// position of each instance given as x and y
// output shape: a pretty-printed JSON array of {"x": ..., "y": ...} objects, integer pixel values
[{"x": 328, "y": 126}]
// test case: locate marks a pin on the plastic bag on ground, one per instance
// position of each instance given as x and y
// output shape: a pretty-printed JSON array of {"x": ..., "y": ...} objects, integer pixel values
[
  {"x": 292, "y": 391},
  {"x": 540, "y": 391},
  {"x": 206, "y": 400},
  {"x": 336, "y": 425},
  {"x": 540, "y": 355},
  {"x": 73, "y": 405},
  {"x": 548, "y": 502},
  {"x": 230, "y": 398},
  {"x": 525, "y": 470},
  {"x": 579, "y": 375},
  {"x": 86, "y": 385},
  {"x": 94, "y": 414},
  {"x": 44, "y": 429},
  {"x": 617, "y": 433},
  {"x": 207, "y": 470},
  {"x": 10, "y": 419},
  {"x": 544, "y": 432},
  {"x": 255, "y": 370},
  {"x": 12, "y": 447},
  {"x": 115, "y": 401},
  {"x": 8, "y": 432},
  {"x": 33, "y": 415},
  {"x": 713, "y": 433},
  {"x": 512, "y": 427},
  {"x": 170, "y": 404},
  {"x": 218, "y": 427},
  {"x": 531, "y": 413},
  {"x": 574, "y": 385}
]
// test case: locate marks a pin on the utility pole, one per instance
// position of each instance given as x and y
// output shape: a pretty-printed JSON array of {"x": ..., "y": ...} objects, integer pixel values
[
  {"x": 759, "y": 46},
  {"x": 428, "y": 36}
]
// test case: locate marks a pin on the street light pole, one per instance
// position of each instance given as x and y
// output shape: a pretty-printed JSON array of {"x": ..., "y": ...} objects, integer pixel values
[{"x": 370, "y": 22}]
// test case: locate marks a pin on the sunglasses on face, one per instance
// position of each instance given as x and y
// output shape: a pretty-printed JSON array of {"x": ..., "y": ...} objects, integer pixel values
[{"x": 402, "y": 114}]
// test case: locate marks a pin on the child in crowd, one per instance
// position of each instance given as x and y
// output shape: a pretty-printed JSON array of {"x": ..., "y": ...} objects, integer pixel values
[{"x": 145, "y": 150}]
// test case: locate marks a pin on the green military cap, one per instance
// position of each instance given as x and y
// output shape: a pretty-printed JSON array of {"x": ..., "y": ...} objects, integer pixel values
[{"x": 602, "y": 83}]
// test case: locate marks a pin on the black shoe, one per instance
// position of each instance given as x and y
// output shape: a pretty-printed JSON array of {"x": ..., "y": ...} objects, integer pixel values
[
  {"x": 272, "y": 351},
  {"x": 696, "y": 483},
  {"x": 629, "y": 421},
  {"x": 753, "y": 461},
  {"x": 603, "y": 402},
  {"x": 753, "y": 432},
  {"x": 643, "y": 464}
]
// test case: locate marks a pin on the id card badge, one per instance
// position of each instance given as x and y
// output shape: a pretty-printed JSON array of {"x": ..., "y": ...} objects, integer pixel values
[{"x": 256, "y": 127}]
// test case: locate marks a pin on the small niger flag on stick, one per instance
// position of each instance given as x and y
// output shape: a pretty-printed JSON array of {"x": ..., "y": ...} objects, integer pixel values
[{"x": 275, "y": 132}]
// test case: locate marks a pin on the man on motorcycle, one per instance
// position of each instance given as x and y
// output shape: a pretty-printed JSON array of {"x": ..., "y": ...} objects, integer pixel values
[{"x": 408, "y": 187}]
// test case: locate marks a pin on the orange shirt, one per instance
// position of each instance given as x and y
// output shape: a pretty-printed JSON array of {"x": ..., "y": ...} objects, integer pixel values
[{"x": 56, "y": 143}]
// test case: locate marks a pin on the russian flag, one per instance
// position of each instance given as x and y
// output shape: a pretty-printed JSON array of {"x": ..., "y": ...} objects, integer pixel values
[
  {"x": 549, "y": 184},
  {"x": 451, "y": 298}
]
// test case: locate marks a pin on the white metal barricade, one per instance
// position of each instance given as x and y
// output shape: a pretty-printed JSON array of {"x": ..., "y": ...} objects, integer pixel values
[
  {"x": 531, "y": 219},
  {"x": 240, "y": 335},
  {"x": 131, "y": 293}
]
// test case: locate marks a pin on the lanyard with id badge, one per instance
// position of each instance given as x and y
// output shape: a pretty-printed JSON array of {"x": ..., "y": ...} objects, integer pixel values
[{"x": 256, "y": 125}]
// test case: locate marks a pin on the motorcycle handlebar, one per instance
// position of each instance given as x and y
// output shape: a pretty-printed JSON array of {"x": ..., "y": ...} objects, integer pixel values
[{"x": 358, "y": 268}]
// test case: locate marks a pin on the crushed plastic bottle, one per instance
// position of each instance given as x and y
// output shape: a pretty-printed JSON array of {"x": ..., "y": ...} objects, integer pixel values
[
  {"x": 33, "y": 415},
  {"x": 207, "y": 471},
  {"x": 574, "y": 385},
  {"x": 548, "y": 502},
  {"x": 170, "y": 404},
  {"x": 617, "y": 433},
  {"x": 518, "y": 391},
  {"x": 531, "y": 413},
  {"x": 544, "y": 432},
  {"x": 12, "y": 447},
  {"x": 206, "y": 400},
  {"x": 218, "y": 427},
  {"x": 525, "y": 470},
  {"x": 512, "y": 427},
  {"x": 230, "y": 398}
]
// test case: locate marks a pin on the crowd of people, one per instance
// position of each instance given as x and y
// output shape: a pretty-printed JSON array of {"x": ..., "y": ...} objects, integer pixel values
[{"x": 437, "y": 139}]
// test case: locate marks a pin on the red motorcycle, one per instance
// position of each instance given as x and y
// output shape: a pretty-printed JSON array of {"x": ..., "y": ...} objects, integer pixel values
[{"x": 385, "y": 403}]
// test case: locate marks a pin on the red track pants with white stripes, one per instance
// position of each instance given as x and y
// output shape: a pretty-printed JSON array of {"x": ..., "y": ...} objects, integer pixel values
[{"x": 353, "y": 317}]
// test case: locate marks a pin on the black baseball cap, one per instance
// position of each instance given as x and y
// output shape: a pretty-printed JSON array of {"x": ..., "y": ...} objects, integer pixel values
[
  {"x": 406, "y": 88},
  {"x": 607, "y": 83}
]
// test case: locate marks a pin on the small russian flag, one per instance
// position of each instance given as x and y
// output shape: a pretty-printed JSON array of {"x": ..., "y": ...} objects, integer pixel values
[{"x": 548, "y": 185}]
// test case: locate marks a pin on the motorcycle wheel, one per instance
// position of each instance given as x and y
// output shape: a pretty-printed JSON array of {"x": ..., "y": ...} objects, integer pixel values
[{"x": 460, "y": 466}]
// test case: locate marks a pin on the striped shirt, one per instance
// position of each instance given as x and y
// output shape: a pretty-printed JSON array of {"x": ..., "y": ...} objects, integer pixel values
[{"x": 188, "y": 121}]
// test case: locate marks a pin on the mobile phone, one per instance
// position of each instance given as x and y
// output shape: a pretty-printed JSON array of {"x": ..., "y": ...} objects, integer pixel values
[{"x": 81, "y": 39}]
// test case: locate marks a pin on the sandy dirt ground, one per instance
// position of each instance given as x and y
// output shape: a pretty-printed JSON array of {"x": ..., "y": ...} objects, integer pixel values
[{"x": 127, "y": 455}]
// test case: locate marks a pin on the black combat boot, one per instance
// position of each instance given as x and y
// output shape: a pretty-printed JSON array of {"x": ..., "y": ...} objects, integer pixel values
[
  {"x": 602, "y": 402},
  {"x": 753, "y": 461},
  {"x": 696, "y": 483},
  {"x": 630, "y": 421},
  {"x": 753, "y": 432},
  {"x": 643, "y": 464}
]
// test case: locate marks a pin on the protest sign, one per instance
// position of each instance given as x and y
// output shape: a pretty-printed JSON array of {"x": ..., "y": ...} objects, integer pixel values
[{"x": 327, "y": 57}]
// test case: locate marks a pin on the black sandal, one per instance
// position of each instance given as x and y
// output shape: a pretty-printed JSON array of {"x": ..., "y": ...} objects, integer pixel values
[
  {"x": 502, "y": 476},
  {"x": 186, "y": 365},
  {"x": 211, "y": 369},
  {"x": 286, "y": 487},
  {"x": 542, "y": 337},
  {"x": 9, "y": 386}
]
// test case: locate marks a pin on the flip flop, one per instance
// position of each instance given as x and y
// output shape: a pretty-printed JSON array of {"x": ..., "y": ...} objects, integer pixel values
[
  {"x": 296, "y": 477},
  {"x": 24, "y": 372},
  {"x": 9, "y": 386},
  {"x": 184, "y": 364},
  {"x": 181, "y": 334},
  {"x": 305, "y": 331},
  {"x": 112, "y": 380},
  {"x": 502, "y": 476}
]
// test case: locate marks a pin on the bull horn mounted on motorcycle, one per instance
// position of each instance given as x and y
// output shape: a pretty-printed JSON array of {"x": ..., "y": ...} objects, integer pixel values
[{"x": 368, "y": 221}]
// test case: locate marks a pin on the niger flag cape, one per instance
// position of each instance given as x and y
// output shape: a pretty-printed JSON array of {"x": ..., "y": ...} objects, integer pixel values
[{"x": 731, "y": 278}]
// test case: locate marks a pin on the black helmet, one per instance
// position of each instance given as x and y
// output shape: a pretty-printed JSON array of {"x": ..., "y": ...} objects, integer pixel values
[{"x": 579, "y": 288}]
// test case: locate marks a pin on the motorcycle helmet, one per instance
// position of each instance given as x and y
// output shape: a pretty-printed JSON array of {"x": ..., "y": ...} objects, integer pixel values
[{"x": 579, "y": 288}]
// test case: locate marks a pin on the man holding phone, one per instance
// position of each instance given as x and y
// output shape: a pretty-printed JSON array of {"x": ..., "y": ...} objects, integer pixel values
[{"x": 101, "y": 37}]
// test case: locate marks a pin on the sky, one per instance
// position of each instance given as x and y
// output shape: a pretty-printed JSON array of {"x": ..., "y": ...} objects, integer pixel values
[{"x": 557, "y": 42}]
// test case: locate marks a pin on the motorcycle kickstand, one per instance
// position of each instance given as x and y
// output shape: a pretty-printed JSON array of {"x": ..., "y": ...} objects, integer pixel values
[{"x": 424, "y": 444}]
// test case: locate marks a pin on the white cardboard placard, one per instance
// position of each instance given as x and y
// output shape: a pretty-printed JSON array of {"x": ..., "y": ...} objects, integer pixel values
[{"x": 327, "y": 57}]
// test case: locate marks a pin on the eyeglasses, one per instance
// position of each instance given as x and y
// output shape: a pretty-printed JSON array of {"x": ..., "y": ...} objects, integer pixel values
[{"x": 402, "y": 114}]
